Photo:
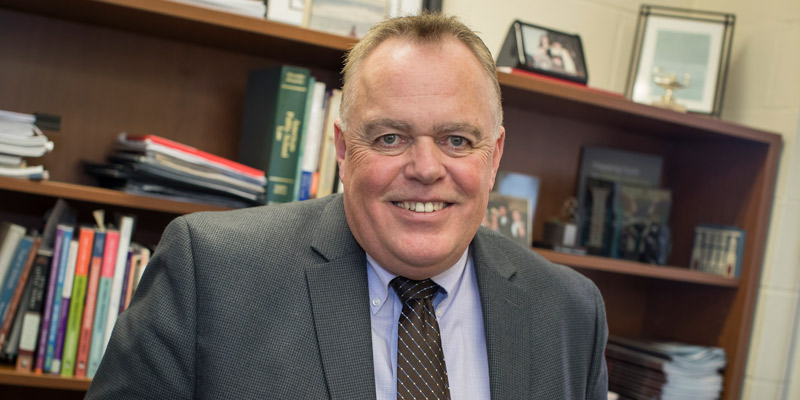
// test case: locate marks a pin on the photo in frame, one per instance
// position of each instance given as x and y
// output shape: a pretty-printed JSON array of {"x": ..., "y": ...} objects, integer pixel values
[
  {"x": 687, "y": 50},
  {"x": 544, "y": 51}
]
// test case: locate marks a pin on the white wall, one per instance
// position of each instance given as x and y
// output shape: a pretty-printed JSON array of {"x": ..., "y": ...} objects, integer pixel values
[{"x": 763, "y": 91}]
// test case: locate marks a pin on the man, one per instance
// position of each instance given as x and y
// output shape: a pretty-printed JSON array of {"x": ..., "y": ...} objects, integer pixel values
[{"x": 302, "y": 301}]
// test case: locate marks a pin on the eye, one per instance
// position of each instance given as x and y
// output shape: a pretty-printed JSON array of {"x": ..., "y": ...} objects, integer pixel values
[
  {"x": 389, "y": 139},
  {"x": 456, "y": 141}
]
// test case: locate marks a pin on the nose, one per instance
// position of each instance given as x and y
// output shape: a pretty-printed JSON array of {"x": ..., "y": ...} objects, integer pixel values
[{"x": 426, "y": 163}]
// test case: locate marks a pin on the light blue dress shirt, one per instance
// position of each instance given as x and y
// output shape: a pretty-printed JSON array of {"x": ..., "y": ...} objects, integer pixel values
[{"x": 458, "y": 311}]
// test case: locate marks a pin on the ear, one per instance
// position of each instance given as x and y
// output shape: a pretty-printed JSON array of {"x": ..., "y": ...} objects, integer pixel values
[
  {"x": 341, "y": 147},
  {"x": 497, "y": 154}
]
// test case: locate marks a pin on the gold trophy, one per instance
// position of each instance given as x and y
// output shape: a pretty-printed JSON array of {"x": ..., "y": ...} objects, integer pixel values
[{"x": 670, "y": 83}]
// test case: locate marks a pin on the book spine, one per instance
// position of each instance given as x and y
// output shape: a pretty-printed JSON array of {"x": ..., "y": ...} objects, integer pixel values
[
  {"x": 272, "y": 126},
  {"x": 47, "y": 316},
  {"x": 66, "y": 296},
  {"x": 11, "y": 236},
  {"x": 32, "y": 320},
  {"x": 117, "y": 282},
  {"x": 313, "y": 140},
  {"x": 13, "y": 275},
  {"x": 97, "y": 347},
  {"x": 85, "y": 339},
  {"x": 301, "y": 144},
  {"x": 127, "y": 282},
  {"x": 73, "y": 332},
  {"x": 327, "y": 162},
  {"x": 27, "y": 253},
  {"x": 60, "y": 258}
]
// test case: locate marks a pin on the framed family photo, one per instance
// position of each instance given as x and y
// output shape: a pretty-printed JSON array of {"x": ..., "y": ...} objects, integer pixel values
[
  {"x": 687, "y": 47},
  {"x": 544, "y": 51}
]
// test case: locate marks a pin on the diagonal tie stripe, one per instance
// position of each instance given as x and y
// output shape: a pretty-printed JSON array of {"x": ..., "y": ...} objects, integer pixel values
[{"x": 421, "y": 369}]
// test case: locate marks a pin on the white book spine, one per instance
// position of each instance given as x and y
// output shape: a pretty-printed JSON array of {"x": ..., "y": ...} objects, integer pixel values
[{"x": 125, "y": 232}]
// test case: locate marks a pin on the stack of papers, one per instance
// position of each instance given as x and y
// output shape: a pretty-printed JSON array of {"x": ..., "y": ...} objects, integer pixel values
[
  {"x": 21, "y": 139},
  {"x": 253, "y": 8},
  {"x": 664, "y": 370},
  {"x": 155, "y": 166}
]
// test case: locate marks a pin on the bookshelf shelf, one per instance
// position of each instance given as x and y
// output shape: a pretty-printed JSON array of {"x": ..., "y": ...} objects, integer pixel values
[
  {"x": 179, "y": 71},
  {"x": 102, "y": 196},
  {"x": 9, "y": 376},
  {"x": 625, "y": 267}
]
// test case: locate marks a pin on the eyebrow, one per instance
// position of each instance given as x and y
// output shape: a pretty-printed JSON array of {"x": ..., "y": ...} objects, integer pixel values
[{"x": 401, "y": 126}]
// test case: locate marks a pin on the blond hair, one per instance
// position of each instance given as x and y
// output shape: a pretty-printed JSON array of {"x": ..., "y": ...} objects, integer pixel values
[{"x": 422, "y": 29}]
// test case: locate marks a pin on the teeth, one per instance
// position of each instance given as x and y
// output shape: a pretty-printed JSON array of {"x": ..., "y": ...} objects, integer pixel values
[{"x": 421, "y": 207}]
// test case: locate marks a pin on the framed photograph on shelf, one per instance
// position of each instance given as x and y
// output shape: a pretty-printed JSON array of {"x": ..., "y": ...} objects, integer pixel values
[
  {"x": 680, "y": 59},
  {"x": 544, "y": 51}
]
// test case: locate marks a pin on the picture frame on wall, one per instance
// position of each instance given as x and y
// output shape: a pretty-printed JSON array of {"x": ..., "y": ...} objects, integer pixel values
[
  {"x": 671, "y": 43},
  {"x": 544, "y": 51}
]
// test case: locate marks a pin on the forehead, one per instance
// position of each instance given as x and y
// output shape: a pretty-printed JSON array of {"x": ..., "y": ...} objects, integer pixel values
[{"x": 429, "y": 65}]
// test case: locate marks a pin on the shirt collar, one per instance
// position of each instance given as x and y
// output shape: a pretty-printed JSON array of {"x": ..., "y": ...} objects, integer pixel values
[{"x": 379, "y": 278}]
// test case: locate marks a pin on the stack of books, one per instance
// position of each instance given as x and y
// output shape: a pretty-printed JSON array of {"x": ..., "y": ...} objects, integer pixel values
[
  {"x": 151, "y": 165},
  {"x": 21, "y": 139},
  {"x": 62, "y": 289},
  {"x": 640, "y": 369}
]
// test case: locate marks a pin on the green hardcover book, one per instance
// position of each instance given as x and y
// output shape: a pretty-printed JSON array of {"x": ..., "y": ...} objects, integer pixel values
[{"x": 272, "y": 126}]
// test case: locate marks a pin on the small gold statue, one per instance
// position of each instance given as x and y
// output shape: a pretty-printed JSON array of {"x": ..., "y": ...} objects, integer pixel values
[{"x": 670, "y": 83}]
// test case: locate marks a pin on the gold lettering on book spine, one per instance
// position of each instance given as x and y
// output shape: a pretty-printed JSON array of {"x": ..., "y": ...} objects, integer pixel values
[{"x": 287, "y": 134}]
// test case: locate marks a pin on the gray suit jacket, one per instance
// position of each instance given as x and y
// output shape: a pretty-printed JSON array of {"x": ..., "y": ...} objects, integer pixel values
[{"x": 272, "y": 303}]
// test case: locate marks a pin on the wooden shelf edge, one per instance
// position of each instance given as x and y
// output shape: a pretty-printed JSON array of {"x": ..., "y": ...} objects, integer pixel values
[
  {"x": 102, "y": 196},
  {"x": 625, "y": 267},
  {"x": 597, "y": 98},
  {"x": 9, "y": 376}
]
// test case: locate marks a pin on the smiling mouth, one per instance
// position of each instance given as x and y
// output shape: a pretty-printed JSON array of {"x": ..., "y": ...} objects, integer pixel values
[{"x": 420, "y": 207}]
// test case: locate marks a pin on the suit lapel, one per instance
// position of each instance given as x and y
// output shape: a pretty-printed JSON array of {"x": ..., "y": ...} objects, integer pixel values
[
  {"x": 339, "y": 295},
  {"x": 506, "y": 330}
]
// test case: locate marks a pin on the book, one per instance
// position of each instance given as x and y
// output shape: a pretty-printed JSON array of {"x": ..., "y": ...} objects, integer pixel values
[
  {"x": 103, "y": 302},
  {"x": 10, "y": 236},
  {"x": 33, "y": 309},
  {"x": 617, "y": 167},
  {"x": 87, "y": 322},
  {"x": 180, "y": 151},
  {"x": 274, "y": 110},
  {"x": 718, "y": 249},
  {"x": 301, "y": 147},
  {"x": 313, "y": 141},
  {"x": 127, "y": 281},
  {"x": 641, "y": 227},
  {"x": 15, "y": 285},
  {"x": 599, "y": 217},
  {"x": 327, "y": 162},
  {"x": 76, "y": 301},
  {"x": 66, "y": 296},
  {"x": 126, "y": 223},
  {"x": 52, "y": 305}
]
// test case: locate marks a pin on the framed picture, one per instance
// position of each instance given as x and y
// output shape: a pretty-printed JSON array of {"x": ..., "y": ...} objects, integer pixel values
[
  {"x": 689, "y": 48},
  {"x": 509, "y": 216},
  {"x": 544, "y": 51}
]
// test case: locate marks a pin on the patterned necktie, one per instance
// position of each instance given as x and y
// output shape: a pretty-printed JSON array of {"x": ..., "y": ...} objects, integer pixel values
[{"x": 421, "y": 371}]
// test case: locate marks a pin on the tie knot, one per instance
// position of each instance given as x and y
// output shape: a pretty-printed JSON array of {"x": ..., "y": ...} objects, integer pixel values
[{"x": 409, "y": 289}]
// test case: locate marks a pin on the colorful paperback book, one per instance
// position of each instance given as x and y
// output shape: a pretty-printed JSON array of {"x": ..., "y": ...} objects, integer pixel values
[
  {"x": 52, "y": 308},
  {"x": 66, "y": 296},
  {"x": 97, "y": 346},
  {"x": 76, "y": 306},
  {"x": 87, "y": 323},
  {"x": 121, "y": 257},
  {"x": 313, "y": 141}
]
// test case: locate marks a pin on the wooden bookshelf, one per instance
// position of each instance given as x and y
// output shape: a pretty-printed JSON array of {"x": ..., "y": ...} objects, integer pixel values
[
  {"x": 179, "y": 71},
  {"x": 9, "y": 376}
]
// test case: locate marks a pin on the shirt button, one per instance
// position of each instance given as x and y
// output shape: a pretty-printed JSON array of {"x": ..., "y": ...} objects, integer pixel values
[
  {"x": 376, "y": 302},
  {"x": 438, "y": 313}
]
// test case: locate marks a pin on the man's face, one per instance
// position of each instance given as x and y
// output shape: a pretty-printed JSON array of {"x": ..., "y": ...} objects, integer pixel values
[{"x": 419, "y": 155}]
